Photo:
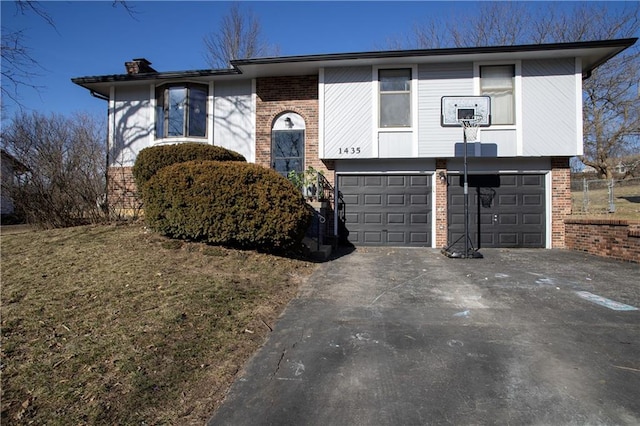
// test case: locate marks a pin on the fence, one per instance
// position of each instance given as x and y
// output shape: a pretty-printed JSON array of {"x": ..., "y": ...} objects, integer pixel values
[{"x": 600, "y": 196}]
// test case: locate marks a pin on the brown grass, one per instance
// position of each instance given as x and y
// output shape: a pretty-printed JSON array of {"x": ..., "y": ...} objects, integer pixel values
[
  {"x": 626, "y": 200},
  {"x": 116, "y": 325}
]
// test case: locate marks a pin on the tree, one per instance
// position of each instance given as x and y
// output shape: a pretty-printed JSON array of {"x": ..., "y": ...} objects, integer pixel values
[
  {"x": 611, "y": 94},
  {"x": 19, "y": 67},
  {"x": 65, "y": 159},
  {"x": 239, "y": 37}
]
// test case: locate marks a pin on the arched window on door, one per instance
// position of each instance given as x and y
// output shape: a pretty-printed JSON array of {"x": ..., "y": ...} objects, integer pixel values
[{"x": 287, "y": 143}]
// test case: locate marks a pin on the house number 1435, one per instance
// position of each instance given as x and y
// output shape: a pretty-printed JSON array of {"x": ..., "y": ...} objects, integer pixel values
[{"x": 349, "y": 150}]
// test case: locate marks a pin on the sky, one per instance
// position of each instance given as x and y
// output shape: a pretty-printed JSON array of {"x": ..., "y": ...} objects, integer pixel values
[{"x": 95, "y": 38}]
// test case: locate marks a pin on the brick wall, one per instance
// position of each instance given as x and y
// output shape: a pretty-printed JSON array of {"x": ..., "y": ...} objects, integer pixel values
[
  {"x": 441, "y": 203},
  {"x": 617, "y": 239},
  {"x": 122, "y": 195},
  {"x": 560, "y": 199},
  {"x": 299, "y": 94}
]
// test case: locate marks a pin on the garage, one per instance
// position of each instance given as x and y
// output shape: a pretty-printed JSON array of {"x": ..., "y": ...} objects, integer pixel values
[
  {"x": 505, "y": 210},
  {"x": 387, "y": 209}
]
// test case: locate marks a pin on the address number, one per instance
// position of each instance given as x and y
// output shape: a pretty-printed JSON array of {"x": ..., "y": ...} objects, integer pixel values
[{"x": 349, "y": 150}]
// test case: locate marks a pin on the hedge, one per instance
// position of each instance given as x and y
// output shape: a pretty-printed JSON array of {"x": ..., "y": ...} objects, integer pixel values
[
  {"x": 154, "y": 158},
  {"x": 227, "y": 203}
]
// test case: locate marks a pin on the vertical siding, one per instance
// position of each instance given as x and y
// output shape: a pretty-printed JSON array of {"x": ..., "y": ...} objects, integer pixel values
[
  {"x": 549, "y": 107},
  {"x": 133, "y": 124},
  {"x": 436, "y": 81},
  {"x": 348, "y": 112},
  {"x": 232, "y": 117}
]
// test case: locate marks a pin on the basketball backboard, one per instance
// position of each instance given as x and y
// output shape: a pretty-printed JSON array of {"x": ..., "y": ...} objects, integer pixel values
[{"x": 457, "y": 108}]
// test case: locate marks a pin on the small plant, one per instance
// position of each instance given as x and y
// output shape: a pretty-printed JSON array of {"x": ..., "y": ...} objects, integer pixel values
[{"x": 306, "y": 181}]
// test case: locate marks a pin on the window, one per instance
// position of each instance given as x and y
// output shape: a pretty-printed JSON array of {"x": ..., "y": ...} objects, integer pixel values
[
  {"x": 395, "y": 97},
  {"x": 181, "y": 111},
  {"x": 287, "y": 144},
  {"x": 498, "y": 82}
]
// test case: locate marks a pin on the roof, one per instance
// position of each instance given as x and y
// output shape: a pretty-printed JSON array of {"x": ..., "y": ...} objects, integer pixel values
[{"x": 592, "y": 53}]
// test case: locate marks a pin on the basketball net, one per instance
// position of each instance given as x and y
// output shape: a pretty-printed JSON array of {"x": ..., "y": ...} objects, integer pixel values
[{"x": 470, "y": 126}]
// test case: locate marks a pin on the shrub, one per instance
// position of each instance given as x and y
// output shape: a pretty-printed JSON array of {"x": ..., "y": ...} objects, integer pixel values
[
  {"x": 154, "y": 158},
  {"x": 234, "y": 204}
]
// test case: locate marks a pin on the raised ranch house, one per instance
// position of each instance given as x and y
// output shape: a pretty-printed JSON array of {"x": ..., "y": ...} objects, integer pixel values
[{"x": 372, "y": 123}]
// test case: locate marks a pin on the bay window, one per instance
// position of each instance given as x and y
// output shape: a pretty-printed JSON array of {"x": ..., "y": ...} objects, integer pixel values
[{"x": 181, "y": 111}]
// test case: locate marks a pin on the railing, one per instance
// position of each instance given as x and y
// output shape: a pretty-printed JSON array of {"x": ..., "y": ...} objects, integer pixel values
[{"x": 324, "y": 222}]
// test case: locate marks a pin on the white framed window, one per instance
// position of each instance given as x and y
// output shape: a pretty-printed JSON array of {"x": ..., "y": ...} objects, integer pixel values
[
  {"x": 394, "y": 102},
  {"x": 498, "y": 81},
  {"x": 288, "y": 144},
  {"x": 181, "y": 111}
]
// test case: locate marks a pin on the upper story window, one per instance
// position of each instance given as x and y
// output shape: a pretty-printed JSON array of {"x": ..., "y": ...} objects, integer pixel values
[
  {"x": 395, "y": 97},
  {"x": 181, "y": 111},
  {"x": 498, "y": 81}
]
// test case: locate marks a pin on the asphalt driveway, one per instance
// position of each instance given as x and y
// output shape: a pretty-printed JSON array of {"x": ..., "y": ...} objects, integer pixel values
[{"x": 410, "y": 337}]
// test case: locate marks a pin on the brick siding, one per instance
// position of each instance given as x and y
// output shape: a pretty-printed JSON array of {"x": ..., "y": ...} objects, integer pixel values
[
  {"x": 440, "y": 208},
  {"x": 616, "y": 239},
  {"x": 560, "y": 199},
  {"x": 121, "y": 191},
  {"x": 299, "y": 94}
]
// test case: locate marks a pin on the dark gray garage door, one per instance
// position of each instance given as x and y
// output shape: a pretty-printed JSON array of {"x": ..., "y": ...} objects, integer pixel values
[
  {"x": 504, "y": 210},
  {"x": 391, "y": 210}
]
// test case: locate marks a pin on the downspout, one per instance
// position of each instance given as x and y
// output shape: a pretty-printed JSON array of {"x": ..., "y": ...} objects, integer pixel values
[{"x": 106, "y": 170}]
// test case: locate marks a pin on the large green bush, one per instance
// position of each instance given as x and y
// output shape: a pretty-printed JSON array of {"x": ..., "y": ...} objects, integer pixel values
[
  {"x": 228, "y": 203},
  {"x": 154, "y": 158}
]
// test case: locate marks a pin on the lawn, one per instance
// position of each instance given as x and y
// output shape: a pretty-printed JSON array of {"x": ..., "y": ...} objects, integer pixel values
[
  {"x": 595, "y": 203},
  {"x": 117, "y": 325}
]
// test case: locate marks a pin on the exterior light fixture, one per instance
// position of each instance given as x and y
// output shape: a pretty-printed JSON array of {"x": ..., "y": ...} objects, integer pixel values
[
  {"x": 288, "y": 123},
  {"x": 442, "y": 176}
]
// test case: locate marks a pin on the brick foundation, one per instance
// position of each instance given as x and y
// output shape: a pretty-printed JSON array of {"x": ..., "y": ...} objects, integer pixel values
[
  {"x": 616, "y": 239},
  {"x": 122, "y": 194},
  {"x": 560, "y": 199}
]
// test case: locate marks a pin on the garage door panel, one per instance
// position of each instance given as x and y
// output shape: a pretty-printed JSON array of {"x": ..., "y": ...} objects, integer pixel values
[
  {"x": 372, "y": 199},
  {"x": 396, "y": 181},
  {"x": 373, "y": 181},
  {"x": 390, "y": 209},
  {"x": 513, "y": 217}
]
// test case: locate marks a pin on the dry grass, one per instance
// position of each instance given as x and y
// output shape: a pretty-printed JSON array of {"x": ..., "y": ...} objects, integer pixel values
[
  {"x": 626, "y": 200},
  {"x": 114, "y": 325}
]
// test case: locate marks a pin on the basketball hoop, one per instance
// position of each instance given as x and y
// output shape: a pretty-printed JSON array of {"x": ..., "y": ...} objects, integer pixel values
[{"x": 471, "y": 125}]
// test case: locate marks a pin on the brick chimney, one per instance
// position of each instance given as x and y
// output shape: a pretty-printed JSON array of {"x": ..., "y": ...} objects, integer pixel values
[{"x": 138, "y": 66}]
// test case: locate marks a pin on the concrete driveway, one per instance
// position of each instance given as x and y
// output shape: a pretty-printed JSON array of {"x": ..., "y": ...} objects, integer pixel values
[{"x": 410, "y": 337}]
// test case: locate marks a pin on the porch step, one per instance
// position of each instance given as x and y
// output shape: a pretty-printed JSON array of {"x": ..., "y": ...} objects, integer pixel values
[{"x": 314, "y": 252}]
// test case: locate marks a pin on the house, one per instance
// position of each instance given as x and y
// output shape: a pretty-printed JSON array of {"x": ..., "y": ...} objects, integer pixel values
[
  {"x": 373, "y": 123},
  {"x": 12, "y": 169}
]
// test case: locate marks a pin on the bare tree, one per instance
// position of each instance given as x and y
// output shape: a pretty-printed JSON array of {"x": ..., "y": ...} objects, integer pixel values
[
  {"x": 19, "y": 67},
  {"x": 610, "y": 95},
  {"x": 65, "y": 159},
  {"x": 239, "y": 37}
]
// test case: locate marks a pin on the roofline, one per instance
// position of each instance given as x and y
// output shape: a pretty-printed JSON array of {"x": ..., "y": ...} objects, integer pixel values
[
  {"x": 154, "y": 76},
  {"x": 239, "y": 63},
  {"x": 624, "y": 43}
]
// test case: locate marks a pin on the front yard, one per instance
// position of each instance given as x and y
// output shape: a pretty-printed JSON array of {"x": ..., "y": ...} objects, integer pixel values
[{"x": 117, "y": 325}]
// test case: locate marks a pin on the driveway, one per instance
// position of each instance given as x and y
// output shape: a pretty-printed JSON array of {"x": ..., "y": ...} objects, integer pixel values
[{"x": 410, "y": 337}]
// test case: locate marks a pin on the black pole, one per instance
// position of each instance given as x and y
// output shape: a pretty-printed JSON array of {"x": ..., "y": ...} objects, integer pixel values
[{"x": 466, "y": 198}]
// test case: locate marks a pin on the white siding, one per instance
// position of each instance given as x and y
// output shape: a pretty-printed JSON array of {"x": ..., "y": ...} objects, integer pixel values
[
  {"x": 436, "y": 81},
  {"x": 549, "y": 107},
  {"x": 347, "y": 113},
  {"x": 133, "y": 127},
  {"x": 233, "y": 126}
]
